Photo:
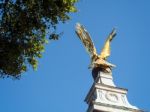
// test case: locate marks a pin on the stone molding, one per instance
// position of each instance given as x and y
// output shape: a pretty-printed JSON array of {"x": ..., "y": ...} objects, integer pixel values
[{"x": 104, "y": 96}]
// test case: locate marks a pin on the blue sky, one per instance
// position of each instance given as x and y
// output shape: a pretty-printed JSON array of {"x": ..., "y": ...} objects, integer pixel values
[{"x": 62, "y": 80}]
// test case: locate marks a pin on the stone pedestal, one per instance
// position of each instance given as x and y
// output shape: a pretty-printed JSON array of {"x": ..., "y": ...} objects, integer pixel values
[{"x": 104, "y": 96}]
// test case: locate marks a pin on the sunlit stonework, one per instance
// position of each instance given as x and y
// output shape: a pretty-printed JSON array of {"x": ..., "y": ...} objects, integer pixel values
[{"x": 103, "y": 96}]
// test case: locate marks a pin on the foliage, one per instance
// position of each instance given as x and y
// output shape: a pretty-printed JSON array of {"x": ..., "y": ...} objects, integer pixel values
[{"x": 23, "y": 31}]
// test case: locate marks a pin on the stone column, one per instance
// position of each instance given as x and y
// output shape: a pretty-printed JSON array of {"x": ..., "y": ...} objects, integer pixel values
[{"x": 104, "y": 96}]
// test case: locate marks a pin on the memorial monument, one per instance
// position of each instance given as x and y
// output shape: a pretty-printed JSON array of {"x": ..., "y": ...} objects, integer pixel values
[{"x": 103, "y": 96}]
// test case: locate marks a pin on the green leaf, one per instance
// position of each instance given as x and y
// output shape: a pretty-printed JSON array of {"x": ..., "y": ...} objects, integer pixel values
[{"x": 23, "y": 26}]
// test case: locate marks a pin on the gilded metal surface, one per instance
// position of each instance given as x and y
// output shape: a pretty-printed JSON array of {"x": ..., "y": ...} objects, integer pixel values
[{"x": 97, "y": 60}]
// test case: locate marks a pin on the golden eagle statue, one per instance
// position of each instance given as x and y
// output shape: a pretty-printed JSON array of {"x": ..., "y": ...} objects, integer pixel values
[{"x": 97, "y": 60}]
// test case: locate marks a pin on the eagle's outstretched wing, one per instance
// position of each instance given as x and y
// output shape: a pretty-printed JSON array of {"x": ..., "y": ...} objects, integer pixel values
[
  {"x": 106, "y": 49},
  {"x": 86, "y": 40}
]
